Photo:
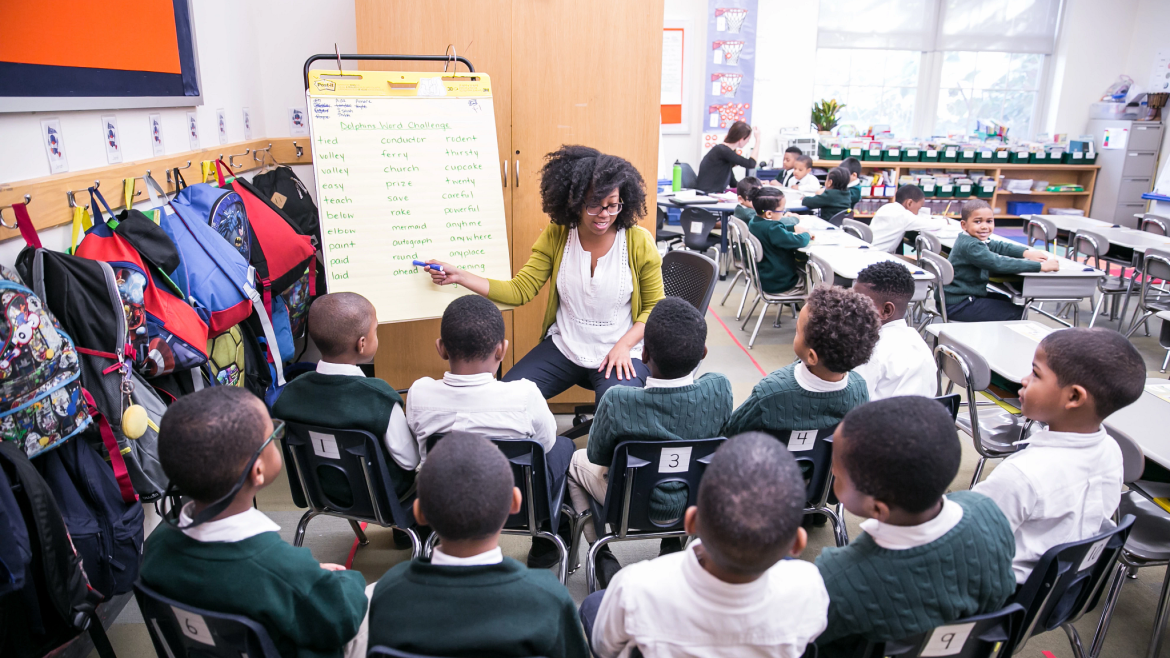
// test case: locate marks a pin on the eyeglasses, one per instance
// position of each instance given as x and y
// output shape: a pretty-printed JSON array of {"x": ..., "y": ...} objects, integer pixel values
[
  {"x": 612, "y": 209},
  {"x": 215, "y": 509}
]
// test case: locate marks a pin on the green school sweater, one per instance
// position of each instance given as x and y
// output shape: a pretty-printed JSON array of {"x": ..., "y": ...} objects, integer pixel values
[
  {"x": 501, "y": 610},
  {"x": 778, "y": 268},
  {"x": 830, "y": 202},
  {"x": 744, "y": 213},
  {"x": 881, "y": 594},
  {"x": 975, "y": 261},
  {"x": 778, "y": 404},
  {"x": 685, "y": 413},
  {"x": 308, "y": 611},
  {"x": 854, "y": 194}
]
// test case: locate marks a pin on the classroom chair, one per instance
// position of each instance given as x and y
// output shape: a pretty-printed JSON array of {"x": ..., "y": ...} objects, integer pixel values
[
  {"x": 995, "y": 430},
  {"x": 663, "y": 235},
  {"x": 737, "y": 246},
  {"x": 356, "y": 459},
  {"x": 689, "y": 276},
  {"x": 1093, "y": 246},
  {"x": 1066, "y": 583},
  {"x": 697, "y": 225},
  {"x": 1164, "y": 336},
  {"x": 1042, "y": 230},
  {"x": 839, "y": 218},
  {"x": 818, "y": 271},
  {"x": 542, "y": 504},
  {"x": 178, "y": 630},
  {"x": 790, "y": 297},
  {"x": 857, "y": 229},
  {"x": 980, "y": 636},
  {"x": 813, "y": 451},
  {"x": 927, "y": 241},
  {"x": 943, "y": 272},
  {"x": 638, "y": 468},
  {"x": 1155, "y": 265},
  {"x": 1157, "y": 224}
]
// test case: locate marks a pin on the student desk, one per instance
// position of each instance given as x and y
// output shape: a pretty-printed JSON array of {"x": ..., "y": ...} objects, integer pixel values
[{"x": 847, "y": 260}]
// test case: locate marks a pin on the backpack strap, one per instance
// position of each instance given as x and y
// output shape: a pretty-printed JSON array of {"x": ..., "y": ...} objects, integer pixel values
[
  {"x": 219, "y": 166},
  {"x": 94, "y": 197},
  {"x": 111, "y": 443},
  {"x": 25, "y": 226},
  {"x": 274, "y": 356},
  {"x": 82, "y": 222},
  {"x": 180, "y": 182}
]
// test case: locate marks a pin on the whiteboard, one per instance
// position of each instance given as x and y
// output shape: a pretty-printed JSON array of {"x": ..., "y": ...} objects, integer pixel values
[{"x": 406, "y": 169}]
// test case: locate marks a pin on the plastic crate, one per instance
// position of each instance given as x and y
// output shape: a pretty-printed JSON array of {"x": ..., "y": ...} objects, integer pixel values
[
  {"x": 949, "y": 154},
  {"x": 929, "y": 189},
  {"x": 985, "y": 157},
  {"x": 966, "y": 155},
  {"x": 1020, "y": 157},
  {"x": 1002, "y": 157},
  {"x": 831, "y": 152},
  {"x": 1021, "y": 208},
  {"x": 945, "y": 190},
  {"x": 1039, "y": 158},
  {"x": 892, "y": 155},
  {"x": 928, "y": 155},
  {"x": 911, "y": 155},
  {"x": 964, "y": 190},
  {"x": 856, "y": 152},
  {"x": 674, "y": 216},
  {"x": 873, "y": 154},
  {"x": 1078, "y": 157},
  {"x": 985, "y": 190}
]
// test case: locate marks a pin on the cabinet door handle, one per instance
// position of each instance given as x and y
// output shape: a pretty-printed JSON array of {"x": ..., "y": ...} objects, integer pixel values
[
  {"x": 505, "y": 173},
  {"x": 516, "y": 174}
]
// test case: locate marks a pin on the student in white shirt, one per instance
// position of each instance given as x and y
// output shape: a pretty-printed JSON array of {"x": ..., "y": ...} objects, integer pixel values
[
  {"x": 732, "y": 592},
  {"x": 788, "y": 162},
  {"x": 901, "y": 363},
  {"x": 802, "y": 176},
  {"x": 1066, "y": 485},
  {"x": 892, "y": 220}
]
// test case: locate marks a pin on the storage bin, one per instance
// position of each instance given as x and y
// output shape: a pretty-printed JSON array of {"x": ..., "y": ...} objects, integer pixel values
[
  {"x": 985, "y": 156},
  {"x": 964, "y": 190},
  {"x": 856, "y": 152},
  {"x": 1020, "y": 208},
  {"x": 1106, "y": 110},
  {"x": 911, "y": 155},
  {"x": 1019, "y": 157},
  {"x": 949, "y": 154},
  {"x": 985, "y": 190},
  {"x": 830, "y": 152},
  {"x": 1073, "y": 157},
  {"x": 966, "y": 155},
  {"x": 928, "y": 155},
  {"x": 873, "y": 154},
  {"x": 1001, "y": 157},
  {"x": 892, "y": 155},
  {"x": 945, "y": 190},
  {"x": 1039, "y": 158}
]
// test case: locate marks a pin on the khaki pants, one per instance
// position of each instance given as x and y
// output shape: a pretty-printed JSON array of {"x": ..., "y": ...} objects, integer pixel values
[
  {"x": 356, "y": 648},
  {"x": 586, "y": 480}
]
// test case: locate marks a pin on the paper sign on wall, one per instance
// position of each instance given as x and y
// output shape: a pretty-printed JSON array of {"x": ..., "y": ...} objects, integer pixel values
[
  {"x": 298, "y": 123},
  {"x": 1115, "y": 138},
  {"x": 221, "y": 122},
  {"x": 112, "y": 139},
  {"x": 54, "y": 147},
  {"x": 193, "y": 130},
  {"x": 156, "y": 138},
  {"x": 247, "y": 124}
]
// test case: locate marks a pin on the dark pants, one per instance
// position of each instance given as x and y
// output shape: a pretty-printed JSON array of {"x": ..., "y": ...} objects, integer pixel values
[
  {"x": 554, "y": 374},
  {"x": 557, "y": 462},
  {"x": 588, "y": 613},
  {"x": 992, "y": 308}
]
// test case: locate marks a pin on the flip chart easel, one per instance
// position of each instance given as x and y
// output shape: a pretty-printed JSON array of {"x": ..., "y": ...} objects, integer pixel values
[{"x": 406, "y": 169}]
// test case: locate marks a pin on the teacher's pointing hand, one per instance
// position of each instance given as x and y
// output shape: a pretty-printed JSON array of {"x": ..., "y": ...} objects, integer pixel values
[{"x": 449, "y": 274}]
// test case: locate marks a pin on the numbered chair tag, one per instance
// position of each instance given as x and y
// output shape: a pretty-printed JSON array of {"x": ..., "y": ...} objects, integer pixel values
[
  {"x": 675, "y": 460},
  {"x": 696, "y": 227},
  {"x": 801, "y": 440},
  {"x": 194, "y": 626},
  {"x": 947, "y": 640},
  {"x": 324, "y": 445},
  {"x": 1093, "y": 555}
]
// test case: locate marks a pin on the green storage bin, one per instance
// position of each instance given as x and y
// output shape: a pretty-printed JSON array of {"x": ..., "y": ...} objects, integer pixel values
[
  {"x": 1091, "y": 159},
  {"x": 966, "y": 155},
  {"x": 929, "y": 189},
  {"x": 1020, "y": 157},
  {"x": 911, "y": 155},
  {"x": 892, "y": 155},
  {"x": 948, "y": 155},
  {"x": 856, "y": 152},
  {"x": 928, "y": 155},
  {"x": 985, "y": 190},
  {"x": 873, "y": 154},
  {"x": 831, "y": 152},
  {"x": 1079, "y": 158},
  {"x": 964, "y": 190},
  {"x": 987, "y": 157},
  {"x": 944, "y": 191},
  {"x": 1002, "y": 157},
  {"x": 1039, "y": 158}
]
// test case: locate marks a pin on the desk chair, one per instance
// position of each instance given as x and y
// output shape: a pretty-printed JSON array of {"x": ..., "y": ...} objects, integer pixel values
[
  {"x": 857, "y": 229},
  {"x": 1042, "y": 230},
  {"x": 689, "y": 178},
  {"x": 1164, "y": 336},
  {"x": 690, "y": 276},
  {"x": 178, "y": 630},
  {"x": 839, "y": 218},
  {"x": 355, "y": 457},
  {"x": 697, "y": 225},
  {"x": 792, "y": 297},
  {"x": 927, "y": 241},
  {"x": 1155, "y": 265},
  {"x": 636, "y": 470},
  {"x": 737, "y": 245},
  {"x": 1094, "y": 246},
  {"x": 663, "y": 235},
  {"x": 813, "y": 451},
  {"x": 818, "y": 271},
  {"x": 1156, "y": 224},
  {"x": 980, "y": 636},
  {"x": 938, "y": 266},
  {"x": 1066, "y": 583}
]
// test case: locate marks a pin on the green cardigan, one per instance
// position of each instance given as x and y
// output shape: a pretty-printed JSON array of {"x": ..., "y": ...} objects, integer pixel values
[
  {"x": 778, "y": 268},
  {"x": 830, "y": 202},
  {"x": 778, "y": 404},
  {"x": 545, "y": 263},
  {"x": 974, "y": 261}
]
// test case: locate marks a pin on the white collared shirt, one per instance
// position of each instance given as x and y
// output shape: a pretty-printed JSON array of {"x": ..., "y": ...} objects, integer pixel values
[
  {"x": 810, "y": 382},
  {"x": 1063, "y": 487},
  {"x": 891, "y": 222},
  {"x": 399, "y": 441},
  {"x": 901, "y": 364},
  {"x": 685, "y": 380},
  {"x": 903, "y": 537},
  {"x": 481, "y": 404},
  {"x": 807, "y": 184},
  {"x": 439, "y": 558},
  {"x": 236, "y": 527},
  {"x": 671, "y": 607}
]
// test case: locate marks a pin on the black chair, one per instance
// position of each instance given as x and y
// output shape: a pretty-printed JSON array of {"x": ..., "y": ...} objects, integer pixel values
[
  {"x": 182, "y": 631},
  {"x": 689, "y": 276},
  {"x": 637, "y": 469},
  {"x": 661, "y": 234},
  {"x": 1066, "y": 583},
  {"x": 690, "y": 180},
  {"x": 813, "y": 451},
  {"x": 697, "y": 225},
  {"x": 387, "y": 652},
  {"x": 839, "y": 218},
  {"x": 980, "y": 636},
  {"x": 952, "y": 402},
  {"x": 359, "y": 460}
]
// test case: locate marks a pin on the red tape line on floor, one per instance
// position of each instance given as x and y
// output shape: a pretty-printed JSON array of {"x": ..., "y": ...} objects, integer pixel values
[
  {"x": 736, "y": 340},
  {"x": 353, "y": 551}
]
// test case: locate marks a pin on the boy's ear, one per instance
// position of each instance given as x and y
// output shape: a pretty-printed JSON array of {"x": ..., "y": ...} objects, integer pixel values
[
  {"x": 812, "y": 359},
  {"x": 691, "y": 521},
  {"x": 879, "y": 510},
  {"x": 418, "y": 515},
  {"x": 799, "y": 543},
  {"x": 441, "y": 349},
  {"x": 1075, "y": 397},
  {"x": 501, "y": 350},
  {"x": 704, "y": 351},
  {"x": 517, "y": 501}
]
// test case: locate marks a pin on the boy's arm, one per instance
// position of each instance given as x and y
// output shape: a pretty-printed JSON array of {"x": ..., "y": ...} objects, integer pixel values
[
  {"x": 412, "y": 423},
  {"x": 400, "y": 443},
  {"x": 610, "y": 636},
  {"x": 544, "y": 424},
  {"x": 604, "y": 432},
  {"x": 749, "y": 416},
  {"x": 1012, "y": 492},
  {"x": 330, "y": 614},
  {"x": 1006, "y": 248},
  {"x": 983, "y": 257}
]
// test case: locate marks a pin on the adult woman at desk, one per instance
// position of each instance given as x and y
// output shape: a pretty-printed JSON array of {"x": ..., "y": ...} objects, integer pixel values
[
  {"x": 715, "y": 170},
  {"x": 605, "y": 270}
]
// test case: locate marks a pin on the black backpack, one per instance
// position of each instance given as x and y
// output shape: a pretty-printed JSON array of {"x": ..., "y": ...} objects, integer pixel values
[{"x": 282, "y": 187}]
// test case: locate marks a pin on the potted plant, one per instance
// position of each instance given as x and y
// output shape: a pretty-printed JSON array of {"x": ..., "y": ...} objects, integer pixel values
[{"x": 825, "y": 114}]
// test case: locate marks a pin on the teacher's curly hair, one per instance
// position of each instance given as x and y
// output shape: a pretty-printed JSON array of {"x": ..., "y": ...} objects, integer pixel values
[{"x": 574, "y": 177}]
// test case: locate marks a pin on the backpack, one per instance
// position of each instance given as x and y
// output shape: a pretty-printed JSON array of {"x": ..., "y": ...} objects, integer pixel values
[
  {"x": 226, "y": 357},
  {"x": 282, "y": 187},
  {"x": 40, "y": 391}
]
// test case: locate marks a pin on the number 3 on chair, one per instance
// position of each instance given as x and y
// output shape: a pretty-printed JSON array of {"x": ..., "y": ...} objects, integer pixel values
[
  {"x": 675, "y": 460},
  {"x": 194, "y": 626}
]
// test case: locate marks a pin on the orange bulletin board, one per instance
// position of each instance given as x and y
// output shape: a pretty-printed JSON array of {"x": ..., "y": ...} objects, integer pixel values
[{"x": 673, "y": 41}]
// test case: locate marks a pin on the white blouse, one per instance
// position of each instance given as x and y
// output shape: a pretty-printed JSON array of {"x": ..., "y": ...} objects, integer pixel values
[{"x": 595, "y": 311}]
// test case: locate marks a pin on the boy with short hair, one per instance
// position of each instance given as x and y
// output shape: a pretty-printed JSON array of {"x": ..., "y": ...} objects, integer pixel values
[
  {"x": 901, "y": 363},
  {"x": 344, "y": 326},
  {"x": 1067, "y": 484},
  {"x": 923, "y": 559},
  {"x": 743, "y": 191},
  {"x": 468, "y": 599},
  {"x": 220, "y": 448},
  {"x": 836, "y": 332},
  {"x": 892, "y": 220},
  {"x": 787, "y": 163},
  {"x": 853, "y": 166},
  {"x": 733, "y": 591},
  {"x": 802, "y": 176}
]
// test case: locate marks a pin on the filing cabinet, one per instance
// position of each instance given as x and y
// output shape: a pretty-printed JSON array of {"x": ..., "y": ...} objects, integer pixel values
[{"x": 1126, "y": 173}]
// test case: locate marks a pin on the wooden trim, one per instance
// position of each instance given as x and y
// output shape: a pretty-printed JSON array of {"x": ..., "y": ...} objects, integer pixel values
[{"x": 49, "y": 205}]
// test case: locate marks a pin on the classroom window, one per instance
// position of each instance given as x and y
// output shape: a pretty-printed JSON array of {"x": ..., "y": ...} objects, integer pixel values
[
  {"x": 987, "y": 85},
  {"x": 876, "y": 86}
]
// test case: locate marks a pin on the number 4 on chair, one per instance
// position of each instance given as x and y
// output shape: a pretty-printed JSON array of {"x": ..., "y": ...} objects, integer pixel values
[
  {"x": 801, "y": 440},
  {"x": 675, "y": 460}
]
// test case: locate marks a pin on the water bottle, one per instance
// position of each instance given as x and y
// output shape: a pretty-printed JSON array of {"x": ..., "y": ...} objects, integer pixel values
[{"x": 676, "y": 182}]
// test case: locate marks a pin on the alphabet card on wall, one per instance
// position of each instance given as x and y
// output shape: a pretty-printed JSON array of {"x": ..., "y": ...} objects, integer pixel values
[
  {"x": 54, "y": 147},
  {"x": 406, "y": 169},
  {"x": 112, "y": 139}
]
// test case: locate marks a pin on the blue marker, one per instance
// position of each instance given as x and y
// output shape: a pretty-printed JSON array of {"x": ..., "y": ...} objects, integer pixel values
[{"x": 437, "y": 268}]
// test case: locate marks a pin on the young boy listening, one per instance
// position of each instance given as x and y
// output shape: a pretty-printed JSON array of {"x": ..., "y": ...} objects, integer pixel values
[
  {"x": 975, "y": 257},
  {"x": 743, "y": 191},
  {"x": 469, "y": 398},
  {"x": 344, "y": 326},
  {"x": 1067, "y": 483},
  {"x": 732, "y": 592},
  {"x": 892, "y": 220},
  {"x": 835, "y": 197},
  {"x": 468, "y": 599},
  {"x": 923, "y": 559},
  {"x": 836, "y": 332},
  {"x": 778, "y": 268},
  {"x": 853, "y": 166},
  {"x": 674, "y": 406},
  {"x": 802, "y": 176},
  {"x": 220, "y": 448},
  {"x": 901, "y": 363},
  {"x": 788, "y": 163}
]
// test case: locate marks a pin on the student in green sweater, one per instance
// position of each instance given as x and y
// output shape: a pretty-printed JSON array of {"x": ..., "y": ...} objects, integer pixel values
[
  {"x": 674, "y": 406},
  {"x": 975, "y": 257},
  {"x": 853, "y": 166},
  {"x": 220, "y": 448},
  {"x": 836, "y": 332},
  {"x": 743, "y": 193},
  {"x": 834, "y": 198},
  {"x": 468, "y": 599},
  {"x": 779, "y": 270},
  {"x": 923, "y": 559}
]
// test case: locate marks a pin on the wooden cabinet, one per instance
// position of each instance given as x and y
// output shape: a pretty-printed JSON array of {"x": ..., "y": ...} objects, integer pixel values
[{"x": 563, "y": 72}]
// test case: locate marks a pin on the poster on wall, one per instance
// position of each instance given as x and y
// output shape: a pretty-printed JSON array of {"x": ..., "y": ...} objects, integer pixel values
[{"x": 731, "y": 67}]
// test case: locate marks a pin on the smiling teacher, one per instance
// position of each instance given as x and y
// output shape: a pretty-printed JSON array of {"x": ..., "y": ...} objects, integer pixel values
[{"x": 605, "y": 269}]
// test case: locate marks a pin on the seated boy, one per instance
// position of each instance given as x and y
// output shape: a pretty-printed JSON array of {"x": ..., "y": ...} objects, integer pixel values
[
  {"x": 975, "y": 257},
  {"x": 732, "y": 592},
  {"x": 743, "y": 189},
  {"x": 778, "y": 268},
  {"x": 469, "y": 398},
  {"x": 835, "y": 197},
  {"x": 674, "y": 406},
  {"x": 1067, "y": 483},
  {"x": 219, "y": 447},
  {"x": 853, "y": 166},
  {"x": 468, "y": 599},
  {"x": 836, "y": 332},
  {"x": 892, "y": 220},
  {"x": 802, "y": 176},
  {"x": 901, "y": 363},
  {"x": 923, "y": 559},
  {"x": 344, "y": 326},
  {"x": 787, "y": 162}
]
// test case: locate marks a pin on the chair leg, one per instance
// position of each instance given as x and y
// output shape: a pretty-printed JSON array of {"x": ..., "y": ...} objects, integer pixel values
[
  {"x": 1160, "y": 618},
  {"x": 837, "y": 520},
  {"x": 747, "y": 287},
  {"x": 361, "y": 534},
  {"x": 591, "y": 562},
  {"x": 562, "y": 553},
  {"x": 416, "y": 547},
  {"x": 763, "y": 312},
  {"x": 734, "y": 280},
  {"x": 577, "y": 525},
  {"x": 1137, "y": 322},
  {"x": 1074, "y": 638},
  {"x": 779, "y": 314},
  {"x": 1107, "y": 610},
  {"x": 429, "y": 548},
  {"x": 1097, "y": 310},
  {"x": 978, "y": 471},
  {"x": 304, "y": 523},
  {"x": 748, "y": 318},
  {"x": 1165, "y": 361}
]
